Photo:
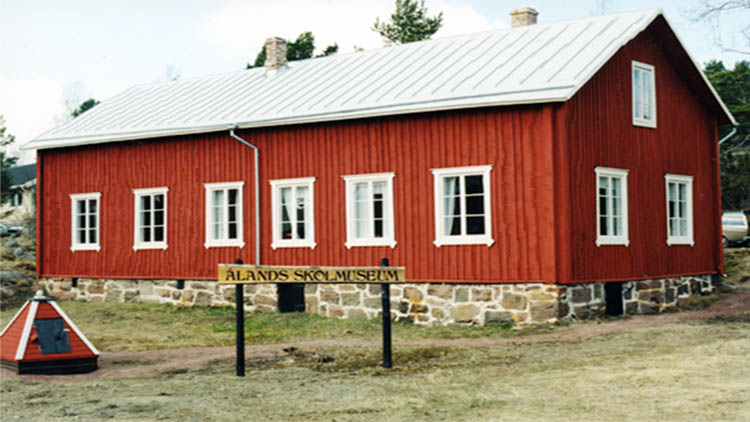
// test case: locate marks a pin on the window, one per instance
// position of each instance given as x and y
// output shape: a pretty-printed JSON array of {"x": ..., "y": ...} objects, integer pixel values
[
  {"x": 612, "y": 206},
  {"x": 224, "y": 214},
  {"x": 85, "y": 221},
  {"x": 369, "y": 210},
  {"x": 16, "y": 199},
  {"x": 150, "y": 218},
  {"x": 679, "y": 209},
  {"x": 644, "y": 95},
  {"x": 462, "y": 206},
  {"x": 292, "y": 218}
]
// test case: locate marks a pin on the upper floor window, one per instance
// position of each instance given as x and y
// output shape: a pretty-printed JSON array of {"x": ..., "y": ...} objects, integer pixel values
[
  {"x": 679, "y": 209},
  {"x": 150, "y": 218},
  {"x": 85, "y": 221},
  {"x": 462, "y": 206},
  {"x": 292, "y": 213},
  {"x": 369, "y": 210},
  {"x": 224, "y": 214},
  {"x": 644, "y": 95},
  {"x": 611, "y": 206}
]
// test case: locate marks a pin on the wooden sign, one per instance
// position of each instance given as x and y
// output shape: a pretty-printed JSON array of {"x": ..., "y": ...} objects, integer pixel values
[{"x": 258, "y": 274}]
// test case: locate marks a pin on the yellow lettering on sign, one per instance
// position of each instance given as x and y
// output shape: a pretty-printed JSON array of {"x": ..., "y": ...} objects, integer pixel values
[{"x": 257, "y": 274}]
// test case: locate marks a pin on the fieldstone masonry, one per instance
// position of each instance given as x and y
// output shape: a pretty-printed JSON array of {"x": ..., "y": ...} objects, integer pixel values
[{"x": 422, "y": 303}]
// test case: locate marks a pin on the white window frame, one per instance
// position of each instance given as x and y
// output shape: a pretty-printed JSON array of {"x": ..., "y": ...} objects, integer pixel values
[
  {"x": 137, "y": 194},
  {"x": 214, "y": 243},
  {"x": 462, "y": 239},
  {"x": 309, "y": 241},
  {"x": 87, "y": 246},
  {"x": 645, "y": 69},
  {"x": 388, "y": 238},
  {"x": 687, "y": 180},
  {"x": 622, "y": 239}
]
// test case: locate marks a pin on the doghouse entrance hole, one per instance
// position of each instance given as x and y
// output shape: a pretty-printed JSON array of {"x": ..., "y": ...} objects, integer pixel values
[{"x": 613, "y": 296}]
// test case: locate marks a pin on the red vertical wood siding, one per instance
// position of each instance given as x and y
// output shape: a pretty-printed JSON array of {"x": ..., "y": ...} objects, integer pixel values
[
  {"x": 516, "y": 141},
  {"x": 12, "y": 337},
  {"x": 601, "y": 133}
]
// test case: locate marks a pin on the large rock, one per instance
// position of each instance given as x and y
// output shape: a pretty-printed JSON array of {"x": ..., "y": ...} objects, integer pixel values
[
  {"x": 464, "y": 312},
  {"x": 443, "y": 291},
  {"x": 514, "y": 301},
  {"x": 498, "y": 318}
]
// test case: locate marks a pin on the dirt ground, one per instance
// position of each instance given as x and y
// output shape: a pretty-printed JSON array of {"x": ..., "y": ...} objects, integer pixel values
[{"x": 122, "y": 365}]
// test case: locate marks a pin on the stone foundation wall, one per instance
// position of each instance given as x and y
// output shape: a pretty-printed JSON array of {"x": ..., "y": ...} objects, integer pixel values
[{"x": 422, "y": 303}]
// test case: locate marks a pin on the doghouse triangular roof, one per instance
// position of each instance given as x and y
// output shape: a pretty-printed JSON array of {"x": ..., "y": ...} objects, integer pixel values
[
  {"x": 16, "y": 338},
  {"x": 530, "y": 64}
]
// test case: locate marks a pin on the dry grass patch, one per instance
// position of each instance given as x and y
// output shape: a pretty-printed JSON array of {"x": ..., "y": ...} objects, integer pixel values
[{"x": 692, "y": 371}]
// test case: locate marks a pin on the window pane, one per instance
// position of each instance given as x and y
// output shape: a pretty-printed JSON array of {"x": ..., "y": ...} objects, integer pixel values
[
  {"x": 603, "y": 208},
  {"x": 81, "y": 206},
  {"x": 92, "y": 222},
  {"x": 218, "y": 215},
  {"x": 378, "y": 228},
  {"x": 145, "y": 218},
  {"x": 452, "y": 226},
  {"x": 92, "y": 206},
  {"x": 218, "y": 231},
  {"x": 603, "y": 186},
  {"x": 474, "y": 184},
  {"x": 360, "y": 191},
  {"x": 617, "y": 207},
  {"x": 377, "y": 209},
  {"x": 145, "y": 202},
  {"x": 617, "y": 226},
  {"x": 475, "y": 225},
  {"x": 218, "y": 198},
  {"x": 672, "y": 189},
  {"x": 450, "y": 186},
  {"x": 637, "y": 93},
  {"x": 360, "y": 229},
  {"x": 616, "y": 182},
  {"x": 159, "y": 218},
  {"x": 232, "y": 230},
  {"x": 232, "y": 193},
  {"x": 92, "y": 236},
  {"x": 300, "y": 230},
  {"x": 159, "y": 202},
  {"x": 452, "y": 205},
  {"x": 683, "y": 227},
  {"x": 603, "y": 226},
  {"x": 647, "y": 95},
  {"x": 145, "y": 234},
  {"x": 81, "y": 221},
  {"x": 232, "y": 214},
  {"x": 286, "y": 201},
  {"x": 159, "y": 234},
  {"x": 683, "y": 209},
  {"x": 474, "y": 205},
  {"x": 286, "y": 230},
  {"x": 81, "y": 236},
  {"x": 671, "y": 209},
  {"x": 683, "y": 192}
]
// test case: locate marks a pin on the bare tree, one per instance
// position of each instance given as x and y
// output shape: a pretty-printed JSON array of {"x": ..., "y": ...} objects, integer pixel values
[{"x": 712, "y": 11}]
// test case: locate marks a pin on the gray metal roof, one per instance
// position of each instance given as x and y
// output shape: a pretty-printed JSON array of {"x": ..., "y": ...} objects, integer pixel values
[
  {"x": 22, "y": 174},
  {"x": 531, "y": 64}
]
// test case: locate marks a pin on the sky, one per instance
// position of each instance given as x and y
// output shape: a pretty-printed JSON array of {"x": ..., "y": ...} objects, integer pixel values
[{"x": 56, "y": 54}]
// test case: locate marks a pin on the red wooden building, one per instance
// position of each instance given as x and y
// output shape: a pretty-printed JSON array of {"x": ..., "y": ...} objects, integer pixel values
[{"x": 520, "y": 175}]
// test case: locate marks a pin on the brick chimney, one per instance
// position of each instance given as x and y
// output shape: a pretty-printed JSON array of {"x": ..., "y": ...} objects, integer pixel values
[
  {"x": 275, "y": 53},
  {"x": 523, "y": 17}
]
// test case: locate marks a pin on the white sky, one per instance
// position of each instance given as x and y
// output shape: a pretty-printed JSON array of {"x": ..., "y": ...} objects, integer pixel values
[{"x": 52, "y": 51}]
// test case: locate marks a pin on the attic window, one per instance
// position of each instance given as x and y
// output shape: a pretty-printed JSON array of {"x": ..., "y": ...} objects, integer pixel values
[{"x": 644, "y": 95}]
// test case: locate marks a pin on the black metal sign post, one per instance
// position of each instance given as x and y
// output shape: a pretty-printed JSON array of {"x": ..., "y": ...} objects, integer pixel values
[
  {"x": 385, "y": 293},
  {"x": 239, "y": 293}
]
